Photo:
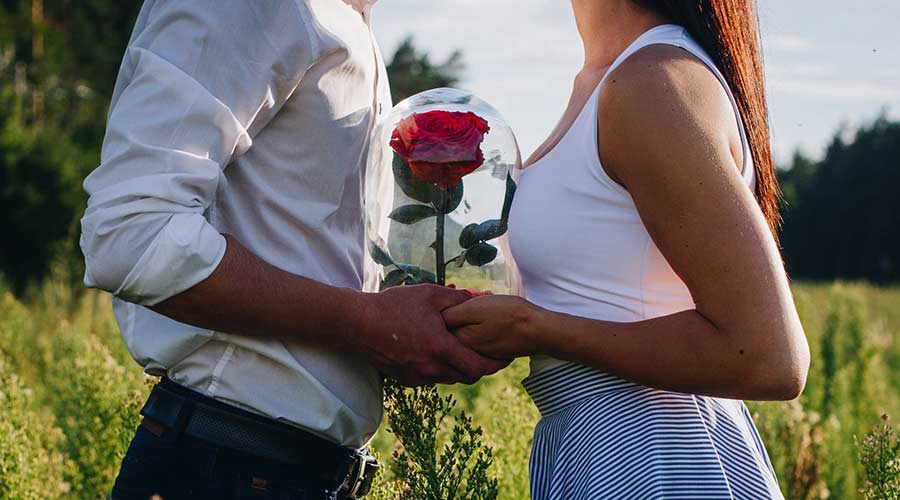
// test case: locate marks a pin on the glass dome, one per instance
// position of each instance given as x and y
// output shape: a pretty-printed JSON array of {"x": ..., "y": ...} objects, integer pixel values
[{"x": 436, "y": 212}]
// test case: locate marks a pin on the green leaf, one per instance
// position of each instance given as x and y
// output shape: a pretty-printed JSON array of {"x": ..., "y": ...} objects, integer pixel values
[
  {"x": 459, "y": 260},
  {"x": 417, "y": 275},
  {"x": 481, "y": 254},
  {"x": 409, "y": 184},
  {"x": 452, "y": 197},
  {"x": 491, "y": 229},
  {"x": 426, "y": 192},
  {"x": 410, "y": 214},
  {"x": 467, "y": 237},
  {"x": 379, "y": 254},
  {"x": 472, "y": 234},
  {"x": 393, "y": 278},
  {"x": 510, "y": 194}
]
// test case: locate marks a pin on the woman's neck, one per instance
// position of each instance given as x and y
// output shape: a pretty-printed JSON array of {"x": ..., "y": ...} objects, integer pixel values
[{"x": 607, "y": 28}]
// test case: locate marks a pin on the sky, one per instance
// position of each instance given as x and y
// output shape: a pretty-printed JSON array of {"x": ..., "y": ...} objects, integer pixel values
[{"x": 830, "y": 64}]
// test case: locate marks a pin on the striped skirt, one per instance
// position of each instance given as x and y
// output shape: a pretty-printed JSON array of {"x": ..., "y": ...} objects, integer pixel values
[{"x": 604, "y": 438}]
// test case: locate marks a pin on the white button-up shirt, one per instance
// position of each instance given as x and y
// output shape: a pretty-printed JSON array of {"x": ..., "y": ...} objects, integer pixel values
[{"x": 253, "y": 119}]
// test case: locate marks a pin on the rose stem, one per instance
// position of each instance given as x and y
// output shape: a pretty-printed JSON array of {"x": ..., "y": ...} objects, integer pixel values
[{"x": 439, "y": 241}]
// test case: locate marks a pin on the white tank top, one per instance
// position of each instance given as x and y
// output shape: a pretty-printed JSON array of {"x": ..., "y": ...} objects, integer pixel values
[{"x": 576, "y": 235}]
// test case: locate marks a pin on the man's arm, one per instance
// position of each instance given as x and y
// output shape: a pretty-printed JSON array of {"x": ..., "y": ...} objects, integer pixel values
[{"x": 248, "y": 296}]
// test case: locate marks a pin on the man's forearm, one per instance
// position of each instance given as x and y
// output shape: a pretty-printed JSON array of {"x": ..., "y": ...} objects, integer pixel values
[
  {"x": 400, "y": 332},
  {"x": 247, "y": 296}
]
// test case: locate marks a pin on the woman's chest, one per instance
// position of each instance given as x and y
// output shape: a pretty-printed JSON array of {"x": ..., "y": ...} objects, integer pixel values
[{"x": 564, "y": 223}]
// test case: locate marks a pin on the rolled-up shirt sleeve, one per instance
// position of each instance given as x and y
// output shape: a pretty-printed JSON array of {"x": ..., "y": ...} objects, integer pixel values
[{"x": 197, "y": 83}]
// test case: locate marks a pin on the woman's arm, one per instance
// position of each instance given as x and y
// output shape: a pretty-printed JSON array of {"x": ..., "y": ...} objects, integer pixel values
[{"x": 667, "y": 134}]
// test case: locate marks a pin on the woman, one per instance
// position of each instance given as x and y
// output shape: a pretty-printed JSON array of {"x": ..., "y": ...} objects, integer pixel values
[{"x": 656, "y": 296}]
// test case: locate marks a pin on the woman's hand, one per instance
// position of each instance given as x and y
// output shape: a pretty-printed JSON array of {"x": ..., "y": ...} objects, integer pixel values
[{"x": 497, "y": 326}]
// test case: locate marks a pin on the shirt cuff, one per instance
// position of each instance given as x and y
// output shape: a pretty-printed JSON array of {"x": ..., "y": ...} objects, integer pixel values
[{"x": 184, "y": 253}]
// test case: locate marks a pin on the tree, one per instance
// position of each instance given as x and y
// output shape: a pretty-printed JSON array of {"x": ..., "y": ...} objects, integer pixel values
[
  {"x": 411, "y": 71},
  {"x": 40, "y": 201},
  {"x": 843, "y": 213},
  {"x": 58, "y": 62}
]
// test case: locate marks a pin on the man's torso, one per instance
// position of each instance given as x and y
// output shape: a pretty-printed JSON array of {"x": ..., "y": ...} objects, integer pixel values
[{"x": 295, "y": 198}]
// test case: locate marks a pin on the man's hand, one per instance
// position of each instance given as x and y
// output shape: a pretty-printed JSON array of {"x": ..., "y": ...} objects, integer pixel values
[{"x": 404, "y": 335}]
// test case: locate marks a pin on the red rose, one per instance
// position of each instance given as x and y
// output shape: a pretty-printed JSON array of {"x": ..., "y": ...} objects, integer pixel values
[{"x": 441, "y": 147}]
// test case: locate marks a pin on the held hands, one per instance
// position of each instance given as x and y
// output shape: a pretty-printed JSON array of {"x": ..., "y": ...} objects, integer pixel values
[
  {"x": 497, "y": 326},
  {"x": 404, "y": 335}
]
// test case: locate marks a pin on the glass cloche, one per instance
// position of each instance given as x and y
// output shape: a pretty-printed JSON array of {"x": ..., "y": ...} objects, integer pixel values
[{"x": 436, "y": 213}]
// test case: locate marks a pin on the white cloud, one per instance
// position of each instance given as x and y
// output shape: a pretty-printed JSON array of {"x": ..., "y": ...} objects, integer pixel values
[
  {"x": 777, "y": 70},
  {"x": 788, "y": 43},
  {"x": 888, "y": 73},
  {"x": 863, "y": 91}
]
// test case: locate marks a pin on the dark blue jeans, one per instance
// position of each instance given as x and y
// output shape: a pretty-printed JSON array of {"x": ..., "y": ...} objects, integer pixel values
[{"x": 184, "y": 468}]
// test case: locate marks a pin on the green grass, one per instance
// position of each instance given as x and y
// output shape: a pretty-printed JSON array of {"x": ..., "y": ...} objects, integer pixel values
[{"x": 69, "y": 393}]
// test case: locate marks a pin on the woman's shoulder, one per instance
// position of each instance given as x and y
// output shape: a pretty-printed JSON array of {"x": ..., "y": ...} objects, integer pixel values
[
  {"x": 663, "y": 75},
  {"x": 661, "y": 99}
]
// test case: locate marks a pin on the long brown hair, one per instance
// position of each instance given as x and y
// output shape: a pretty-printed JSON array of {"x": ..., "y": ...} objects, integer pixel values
[{"x": 729, "y": 31}]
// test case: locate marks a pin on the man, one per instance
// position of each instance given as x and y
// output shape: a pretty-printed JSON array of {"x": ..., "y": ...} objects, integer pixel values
[{"x": 226, "y": 217}]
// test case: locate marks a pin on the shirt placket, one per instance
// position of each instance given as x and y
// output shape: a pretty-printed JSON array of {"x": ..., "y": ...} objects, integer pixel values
[{"x": 377, "y": 103}]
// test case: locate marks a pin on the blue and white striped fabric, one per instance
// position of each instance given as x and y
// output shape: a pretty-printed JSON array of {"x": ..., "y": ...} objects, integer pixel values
[{"x": 601, "y": 437}]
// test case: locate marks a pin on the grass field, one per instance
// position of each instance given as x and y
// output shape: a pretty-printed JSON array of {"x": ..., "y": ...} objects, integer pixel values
[{"x": 69, "y": 396}]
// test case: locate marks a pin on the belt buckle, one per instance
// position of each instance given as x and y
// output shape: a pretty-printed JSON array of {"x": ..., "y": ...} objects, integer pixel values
[{"x": 359, "y": 481}]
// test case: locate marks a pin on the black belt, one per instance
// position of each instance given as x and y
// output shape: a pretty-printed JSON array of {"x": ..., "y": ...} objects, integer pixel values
[{"x": 182, "y": 410}]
